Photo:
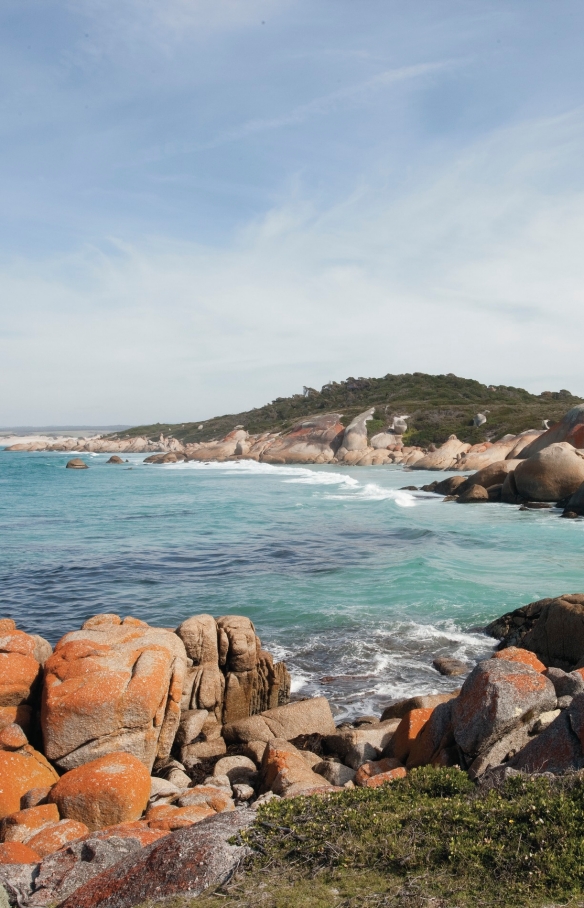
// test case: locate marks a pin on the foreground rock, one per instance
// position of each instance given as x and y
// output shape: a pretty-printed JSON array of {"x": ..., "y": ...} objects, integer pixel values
[
  {"x": 569, "y": 429},
  {"x": 314, "y": 440},
  {"x": 20, "y": 771},
  {"x": 496, "y": 697},
  {"x": 182, "y": 864},
  {"x": 112, "y": 686},
  {"x": 445, "y": 457}
]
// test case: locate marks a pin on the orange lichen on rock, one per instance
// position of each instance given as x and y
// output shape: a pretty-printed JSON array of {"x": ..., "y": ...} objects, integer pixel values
[
  {"x": 167, "y": 818},
  {"x": 112, "y": 789},
  {"x": 112, "y": 687},
  {"x": 21, "y": 825},
  {"x": 55, "y": 836},
  {"x": 375, "y": 768},
  {"x": 16, "y": 715},
  {"x": 408, "y": 730},
  {"x": 383, "y": 778},
  {"x": 516, "y": 654},
  {"x": 17, "y": 853},
  {"x": 12, "y": 737},
  {"x": 19, "y": 669},
  {"x": 19, "y": 772}
]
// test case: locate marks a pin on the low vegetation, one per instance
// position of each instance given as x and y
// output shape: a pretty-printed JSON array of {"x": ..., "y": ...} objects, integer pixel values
[
  {"x": 438, "y": 406},
  {"x": 431, "y": 839}
]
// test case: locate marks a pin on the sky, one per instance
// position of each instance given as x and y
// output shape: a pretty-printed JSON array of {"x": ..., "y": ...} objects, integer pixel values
[{"x": 207, "y": 204}]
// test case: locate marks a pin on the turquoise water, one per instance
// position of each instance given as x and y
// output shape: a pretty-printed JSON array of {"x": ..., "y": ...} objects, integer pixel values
[{"x": 356, "y": 584}]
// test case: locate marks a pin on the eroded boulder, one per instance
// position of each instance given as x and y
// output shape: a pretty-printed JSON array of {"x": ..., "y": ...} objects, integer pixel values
[
  {"x": 112, "y": 686},
  {"x": 304, "y": 717}
]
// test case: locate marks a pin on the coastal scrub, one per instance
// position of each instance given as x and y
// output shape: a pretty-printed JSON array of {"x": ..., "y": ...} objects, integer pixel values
[{"x": 432, "y": 838}]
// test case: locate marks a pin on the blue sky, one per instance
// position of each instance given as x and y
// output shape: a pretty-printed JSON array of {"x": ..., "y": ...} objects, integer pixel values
[{"x": 206, "y": 205}]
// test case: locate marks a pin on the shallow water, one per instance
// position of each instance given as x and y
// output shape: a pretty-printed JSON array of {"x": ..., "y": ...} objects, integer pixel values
[{"x": 356, "y": 584}]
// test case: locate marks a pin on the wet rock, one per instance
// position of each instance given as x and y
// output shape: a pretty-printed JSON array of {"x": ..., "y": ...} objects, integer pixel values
[
  {"x": 76, "y": 464},
  {"x": 184, "y": 863},
  {"x": 115, "y": 459},
  {"x": 473, "y": 493},
  {"x": 449, "y": 666},
  {"x": 497, "y": 697},
  {"x": 112, "y": 789},
  {"x": 112, "y": 686}
]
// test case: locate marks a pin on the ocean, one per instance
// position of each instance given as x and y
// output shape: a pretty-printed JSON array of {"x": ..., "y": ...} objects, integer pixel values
[{"x": 356, "y": 584}]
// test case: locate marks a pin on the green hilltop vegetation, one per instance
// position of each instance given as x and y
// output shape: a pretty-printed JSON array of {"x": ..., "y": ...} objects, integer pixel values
[{"x": 438, "y": 406}]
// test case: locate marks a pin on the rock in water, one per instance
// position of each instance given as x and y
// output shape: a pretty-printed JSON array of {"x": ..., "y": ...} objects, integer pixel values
[
  {"x": 184, "y": 863},
  {"x": 112, "y": 686},
  {"x": 76, "y": 464},
  {"x": 550, "y": 475}
]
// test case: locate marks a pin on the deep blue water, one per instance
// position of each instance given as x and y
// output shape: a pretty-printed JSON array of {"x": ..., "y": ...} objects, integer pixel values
[{"x": 356, "y": 584}]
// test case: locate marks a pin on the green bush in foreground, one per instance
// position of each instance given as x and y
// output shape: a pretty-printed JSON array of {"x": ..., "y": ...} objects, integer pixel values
[{"x": 431, "y": 838}]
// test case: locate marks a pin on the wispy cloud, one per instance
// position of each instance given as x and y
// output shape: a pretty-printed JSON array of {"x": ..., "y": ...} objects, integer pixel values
[{"x": 358, "y": 93}]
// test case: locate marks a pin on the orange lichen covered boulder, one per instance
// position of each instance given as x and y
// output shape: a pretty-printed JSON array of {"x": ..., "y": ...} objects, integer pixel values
[
  {"x": 16, "y": 715},
  {"x": 19, "y": 666},
  {"x": 55, "y": 836},
  {"x": 432, "y": 744},
  {"x": 112, "y": 789},
  {"x": 20, "y": 826},
  {"x": 494, "y": 699},
  {"x": 12, "y": 737},
  {"x": 112, "y": 686},
  {"x": 516, "y": 654},
  {"x": 167, "y": 818},
  {"x": 17, "y": 853},
  {"x": 383, "y": 778},
  {"x": 19, "y": 772},
  {"x": 407, "y": 731},
  {"x": 375, "y": 768}
]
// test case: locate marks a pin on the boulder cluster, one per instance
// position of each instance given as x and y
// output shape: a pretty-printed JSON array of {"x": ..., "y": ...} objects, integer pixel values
[{"x": 128, "y": 734}]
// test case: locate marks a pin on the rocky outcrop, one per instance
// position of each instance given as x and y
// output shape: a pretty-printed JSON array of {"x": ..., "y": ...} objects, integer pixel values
[
  {"x": 231, "y": 676},
  {"x": 444, "y": 458},
  {"x": 355, "y": 435},
  {"x": 495, "y": 453},
  {"x": 314, "y": 440},
  {"x": 550, "y": 475},
  {"x": 112, "y": 686},
  {"x": 569, "y": 429}
]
